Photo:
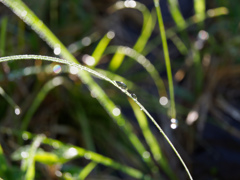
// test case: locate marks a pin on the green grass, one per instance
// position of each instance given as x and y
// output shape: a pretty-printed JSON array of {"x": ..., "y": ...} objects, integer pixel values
[{"x": 89, "y": 130}]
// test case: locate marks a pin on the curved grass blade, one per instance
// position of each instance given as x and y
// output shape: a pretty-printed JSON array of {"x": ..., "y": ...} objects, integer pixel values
[
  {"x": 97, "y": 53},
  {"x": 148, "y": 25},
  {"x": 176, "y": 14},
  {"x": 126, "y": 126},
  {"x": 21, "y": 10},
  {"x": 144, "y": 62}
]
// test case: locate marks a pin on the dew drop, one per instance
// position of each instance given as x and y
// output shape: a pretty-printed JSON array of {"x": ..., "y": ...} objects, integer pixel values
[
  {"x": 88, "y": 60},
  {"x": 23, "y": 14},
  {"x": 146, "y": 154},
  {"x": 130, "y": 3},
  {"x": 57, "y": 69},
  {"x": 87, "y": 156},
  {"x": 121, "y": 85},
  {"x": 70, "y": 153},
  {"x": 116, "y": 111},
  {"x": 134, "y": 96},
  {"x": 174, "y": 123},
  {"x": 73, "y": 70},
  {"x": 110, "y": 34},
  {"x": 17, "y": 111},
  {"x": 86, "y": 41},
  {"x": 57, "y": 50},
  {"x": 58, "y": 173},
  {"x": 163, "y": 101},
  {"x": 24, "y": 154},
  {"x": 25, "y": 136}
]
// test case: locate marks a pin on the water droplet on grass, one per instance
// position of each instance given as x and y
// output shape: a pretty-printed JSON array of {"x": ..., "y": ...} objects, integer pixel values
[
  {"x": 24, "y": 154},
  {"x": 116, "y": 111},
  {"x": 130, "y": 3},
  {"x": 163, "y": 100},
  {"x": 111, "y": 34},
  {"x": 134, "y": 96},
  {"x": 70, "y": 153},
  {"x": 25, "y": 136},
  {"x": 174, "y": 123},
  {"x": 86, "y": 41},
  {"x": 121, "y": 85},
  {"x": 17, "y": 111},
  {"x": 87, "y": 156},
  {"x": 73, "y": 70},
  {"x": 88, "y": 60},
  {"x": 146, "y": 154},
  {"x": 57, "y": 50},
  {"x": 57, "y": 69}
]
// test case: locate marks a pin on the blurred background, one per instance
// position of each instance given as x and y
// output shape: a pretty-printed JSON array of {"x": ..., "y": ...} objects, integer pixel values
[{"x": 205, "y": 56}]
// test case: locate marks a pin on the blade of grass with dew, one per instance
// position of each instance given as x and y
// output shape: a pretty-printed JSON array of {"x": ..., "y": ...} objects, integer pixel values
[
  {"x": 167, "y": 59},
  {"x": 97, "y": 53},
  {"x": 126, "y": 127},
  {"x": 30, "y": 171},
  {"x": 176, "y": 14},
  {"x": 3, "y": 35},
  {"x": 17, "y": 109},
  {"x": 84, "y": 153},
  {"x": 151, "y": 140},
  {"x": 148, "y": 25},
  {"x": 87, "y": 170},
  {"x": 122, "y": 121},
  {"x": 21, "y": 10},
  {"x": 144, "y": 62},
  {"x": 170, "y": 81}
]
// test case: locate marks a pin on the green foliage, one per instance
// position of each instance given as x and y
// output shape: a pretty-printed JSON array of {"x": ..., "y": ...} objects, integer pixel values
[{"x": 92, "y": 131}]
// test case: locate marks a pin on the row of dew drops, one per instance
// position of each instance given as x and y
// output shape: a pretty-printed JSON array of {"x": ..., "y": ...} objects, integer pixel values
[
  {"x": 116, "y": 111},
  {"x": 163, "y": 101}
]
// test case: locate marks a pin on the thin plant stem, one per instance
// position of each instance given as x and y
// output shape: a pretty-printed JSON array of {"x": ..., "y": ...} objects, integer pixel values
[
  {"x": 170, "y": 82},
  {"x": 166, "y": 56}
]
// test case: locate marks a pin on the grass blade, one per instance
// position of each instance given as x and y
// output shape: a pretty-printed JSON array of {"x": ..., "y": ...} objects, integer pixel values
[
  {"x": 170, "y": 81},
  {"x": 148, "y": 25},
  {"x": 87, "y": 170},
  {"x": 21, "y": 10},
  {"x": 176, "y": 14},
  {"x": 167, "y": 59},
  {"x": 97, "y": 53},
  {"x": 151, "y": 140}
]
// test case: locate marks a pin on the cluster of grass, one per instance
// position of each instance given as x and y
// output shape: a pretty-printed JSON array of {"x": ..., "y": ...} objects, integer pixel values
[{"x": 97, "y": 134}]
